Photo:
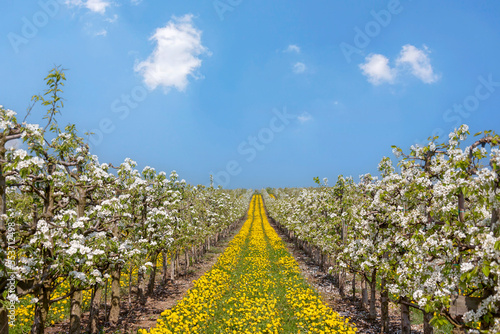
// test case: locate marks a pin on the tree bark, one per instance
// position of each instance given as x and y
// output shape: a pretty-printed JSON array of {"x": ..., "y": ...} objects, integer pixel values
[
  {"x": 172, "y": 267},
  {"x": 177, "y": 262},
  {"x": 165, "y": 268},
  {"x": 152, "y": 276},
  {"x": 342, "y": 283},
  {"x": 95, "y": 304},
  {"x": 461, "y": 207},
  {"x": 405, "y": 318},
  {"x": 373, "y": 285},
  {"x": 114, "y": 311},
  {"x": 495, "y": 219},
  {"x": 130, "y": 285},
  {"x": 364, "y": 293},
  {"x": 75, "y": 312},
  {"x": 353, "y": 286},
  {"x": 4, "y": 320},
  {"x": 427, "y": 326},
  {"x": 106, "y": 315},
  {"x": 41, "y": 312},
  {"x": 141, "y": 296},
  {"x": 384, "y": 307}
]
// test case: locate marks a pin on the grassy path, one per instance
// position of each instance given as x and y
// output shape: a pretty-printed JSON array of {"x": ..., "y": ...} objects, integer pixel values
[{"x": 255, "y": 287}]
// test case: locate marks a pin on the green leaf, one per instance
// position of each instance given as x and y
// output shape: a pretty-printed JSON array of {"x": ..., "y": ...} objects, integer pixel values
[{"x": 486, "y": 271}]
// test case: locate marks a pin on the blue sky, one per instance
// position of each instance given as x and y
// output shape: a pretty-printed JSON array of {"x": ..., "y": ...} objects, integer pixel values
[{"x": 258, "y": 93}]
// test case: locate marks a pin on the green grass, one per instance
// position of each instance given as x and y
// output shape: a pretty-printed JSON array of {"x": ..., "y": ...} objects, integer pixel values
[{"x": 261, "y": 290}]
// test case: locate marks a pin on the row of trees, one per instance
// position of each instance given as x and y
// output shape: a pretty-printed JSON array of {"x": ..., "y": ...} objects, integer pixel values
[
  {"x": 426, "y": 233},
  {"x": 65, "y": 216}
]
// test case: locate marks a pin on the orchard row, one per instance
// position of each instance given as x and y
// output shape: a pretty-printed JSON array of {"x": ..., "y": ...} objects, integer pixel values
[
  {"x": 70, "y": 223},
  {"x": 425, "y": 232}
]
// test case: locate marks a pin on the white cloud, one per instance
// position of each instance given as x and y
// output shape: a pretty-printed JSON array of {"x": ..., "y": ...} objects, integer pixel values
[
  {"x": 299, "y": 68},
  {"x": 102, "y": 32},
  {"x": 419, "y": 62},
  {"x": 304, "y": 117},
  {"x": 97, "y": 6},
  {"x": 176, "y": 55},
  {"x": 292, "y": 48},
  {"x": 112, "y": 19},
  {"x": 377, "y": 69},
  {"x": 135, "y": 2}
]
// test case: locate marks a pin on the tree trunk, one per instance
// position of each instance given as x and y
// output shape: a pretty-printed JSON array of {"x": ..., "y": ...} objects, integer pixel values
[
  {"x": 172, "y": 267},
  {"x": 373, "y": 286},
  {"x": 4, "y": 320},
  {"x": 114, "y": 311},
  {"x": 405, "y": 318},
  {"x": 427, "y": 326},
  {"x": 342, "y": 283},
  {"x": 41, "y": 312},
  {"x": 364, "y": 293},
  {"x": 141, "y": 296},
  {"x": 495, "y": 219},
  {"x": 353, "y": 286},
  {"x": 461, "y": 207},
  {"x": 177, "y": 262},
  {"x": 384, "y": 307},
  {"x": 130, "y": 284},
  {"x": 165, "y": 268},
  {"x": 106, "y": 315},
  {"x": 152, "y": 276},
  {"x": 75, "y": 313},
  {"x": 95, "y": 304}
]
